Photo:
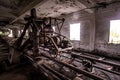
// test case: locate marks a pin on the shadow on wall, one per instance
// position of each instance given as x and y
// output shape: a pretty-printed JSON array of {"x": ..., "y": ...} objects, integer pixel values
[
  {"x": 114, "y": 49},
  {"x": 77, "y": 44}
]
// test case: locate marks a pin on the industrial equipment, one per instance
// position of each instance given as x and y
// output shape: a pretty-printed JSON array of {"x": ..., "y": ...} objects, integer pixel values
[{"x": 52, "y": 54}]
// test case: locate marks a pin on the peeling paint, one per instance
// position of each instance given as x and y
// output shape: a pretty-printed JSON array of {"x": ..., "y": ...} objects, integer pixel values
[{"x": 58, "y": 7}]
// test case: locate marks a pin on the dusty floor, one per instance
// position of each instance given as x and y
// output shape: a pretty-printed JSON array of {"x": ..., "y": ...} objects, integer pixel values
[{"x": 18, "y": 73}]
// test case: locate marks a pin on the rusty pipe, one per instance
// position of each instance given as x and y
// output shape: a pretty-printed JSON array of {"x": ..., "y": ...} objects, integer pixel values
[
  {"x": 94, "y": 59},
  {"x": 61, "y": 76},
  {"x": 114, "y": 72},
  {"x": 80, "y": 71},
  {"x": 41, "y": 68}
]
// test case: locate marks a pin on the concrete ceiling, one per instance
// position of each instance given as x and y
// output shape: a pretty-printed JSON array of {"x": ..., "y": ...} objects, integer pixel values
[
  {"x": 56, "y": 8},
  {"x": 13, "y": 10}
]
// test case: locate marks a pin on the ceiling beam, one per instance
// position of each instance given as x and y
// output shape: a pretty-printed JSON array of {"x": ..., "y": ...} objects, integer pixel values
[
  {"x": 92, "y": 1},
  {"x": 86, "y": 5},
  {"x": 6, "y": 14},
  {"x": 29, "y": 7}
]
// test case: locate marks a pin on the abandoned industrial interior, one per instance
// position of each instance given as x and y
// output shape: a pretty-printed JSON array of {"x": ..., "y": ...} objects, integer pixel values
[{"x": 59, "y": 39}]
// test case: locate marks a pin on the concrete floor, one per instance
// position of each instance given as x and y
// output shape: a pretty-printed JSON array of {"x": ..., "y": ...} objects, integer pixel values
[{"x": 18, "y": 73}]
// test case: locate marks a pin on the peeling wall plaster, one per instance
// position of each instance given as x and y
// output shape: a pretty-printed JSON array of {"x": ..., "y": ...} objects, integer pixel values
[{"x": 54, "y": 8}]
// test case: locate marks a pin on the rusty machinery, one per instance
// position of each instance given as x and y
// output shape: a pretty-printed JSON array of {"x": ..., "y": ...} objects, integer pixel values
[
  {"x": 43, "y": 46},
  {"x": 42, "y": 41},
  {"x": 42, "y": 36}
]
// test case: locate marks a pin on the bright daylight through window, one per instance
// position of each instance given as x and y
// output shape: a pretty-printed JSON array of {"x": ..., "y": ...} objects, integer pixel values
[
  {"x": 114, "y": 32},
  {"x": 75, "y": 31},
  {"x": 11, "y": 34}
]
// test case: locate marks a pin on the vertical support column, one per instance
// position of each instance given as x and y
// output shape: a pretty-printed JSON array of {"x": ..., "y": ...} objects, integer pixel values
[
  {"x": 35, "y": 32},
  {"x": 92, "y": 33}
]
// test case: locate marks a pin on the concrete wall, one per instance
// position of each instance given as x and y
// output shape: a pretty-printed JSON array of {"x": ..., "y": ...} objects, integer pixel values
[
  {"x": 103, "y": 17},
  {"x": 87, "y": 25},
  {"x": 94, "y": 28}
]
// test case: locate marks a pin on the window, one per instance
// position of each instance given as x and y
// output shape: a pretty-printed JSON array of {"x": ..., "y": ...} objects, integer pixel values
[
  {"x": 11, "y": 34},
  {"x": 75, "y": 31},
  {"x": 114, "y": 31},
  {"x": 53, "y": 28}
]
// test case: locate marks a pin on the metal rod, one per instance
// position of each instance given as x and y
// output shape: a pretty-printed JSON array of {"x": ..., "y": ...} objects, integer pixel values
[
  {"x": 114, "y": 72},
  {"x": 103, "y": 54},
  {"x": 49, "y": 73},
  {"x": 61, "y": 76},
  {"x": 80, "y": 71},
  {"x": 94, "y": 59},
  {"x": 40, "y": 68}
]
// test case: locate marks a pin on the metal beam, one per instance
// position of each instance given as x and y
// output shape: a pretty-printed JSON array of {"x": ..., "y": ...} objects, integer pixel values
[
  {"x": 80, "y": 71},
  {"x": 29, "y": 7},
  {"x": 40, "y": 68},
  {"x": 6, "y": 14},
  {"x": 114, "y": 72},
  {"x": 85, "y": 5},
  {"x": 95, "y": 59},
  {"x": 61, "y": 76}
]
